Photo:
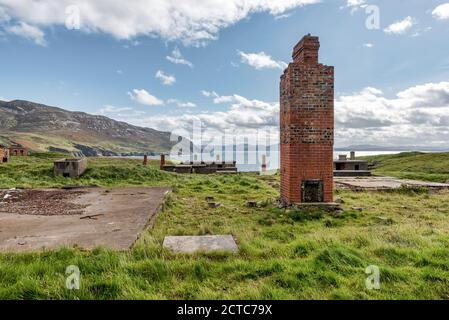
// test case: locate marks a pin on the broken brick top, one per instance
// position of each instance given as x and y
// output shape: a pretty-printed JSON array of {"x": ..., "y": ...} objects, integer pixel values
[{"x": 306, "y": 51}]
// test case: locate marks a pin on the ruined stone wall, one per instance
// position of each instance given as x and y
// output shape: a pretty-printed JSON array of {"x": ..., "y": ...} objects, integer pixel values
[
  {"x": 306, "y": 123},
  {"x": 4, "y": 155},
  {"x": 70, "y": 168}
]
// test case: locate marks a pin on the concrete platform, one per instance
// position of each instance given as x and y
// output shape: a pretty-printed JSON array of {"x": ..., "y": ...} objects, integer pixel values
[
  {"x": 111, "y": 218},
  {"x": 383, "y": 183},
  {"x": 192, "y": 244}
]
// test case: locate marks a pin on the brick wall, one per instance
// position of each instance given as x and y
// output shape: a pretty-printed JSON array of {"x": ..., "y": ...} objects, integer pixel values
[{"x": 307, "y": 122}]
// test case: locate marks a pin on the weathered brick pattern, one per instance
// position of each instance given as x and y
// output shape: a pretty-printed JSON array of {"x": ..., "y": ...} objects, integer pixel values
[{"x": 307, "y": 122}]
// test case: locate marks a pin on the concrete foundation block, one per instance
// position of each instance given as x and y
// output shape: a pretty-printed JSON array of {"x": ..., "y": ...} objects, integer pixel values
[{"x": 192, "y": 244}]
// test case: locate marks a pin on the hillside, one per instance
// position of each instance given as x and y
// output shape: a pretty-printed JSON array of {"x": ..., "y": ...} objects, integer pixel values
[
  {"x": 45, "y": 128},
  {"x": 413, "y": 165}
]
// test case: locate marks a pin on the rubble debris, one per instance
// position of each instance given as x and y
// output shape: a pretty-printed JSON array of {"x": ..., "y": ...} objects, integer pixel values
[
  {"x": 93, "y": 216},
  {"x": 214, "y": 205},
  {"x": 41, "y": 202},
  {"x": 251, "y": 204}
]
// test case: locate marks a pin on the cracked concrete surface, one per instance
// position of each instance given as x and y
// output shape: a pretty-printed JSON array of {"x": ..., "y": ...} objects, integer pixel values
[{"x": 111, "y": 218}]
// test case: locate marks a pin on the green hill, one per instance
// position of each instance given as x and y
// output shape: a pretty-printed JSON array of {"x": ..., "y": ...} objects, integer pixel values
[
  {"x": 43, "y": 128},
  {"x": 413, "y": 165}
]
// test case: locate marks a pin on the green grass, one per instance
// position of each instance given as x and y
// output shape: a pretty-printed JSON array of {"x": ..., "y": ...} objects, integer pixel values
[
  {"x": 284, "y": 254},
  {"x": 413, "y": 165}
]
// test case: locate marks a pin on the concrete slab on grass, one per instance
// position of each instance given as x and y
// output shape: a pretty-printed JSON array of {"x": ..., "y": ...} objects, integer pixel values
[
  {"x": 192, "y": 244},
  {"x": 34, "y": 219},
  {"x": 383, "y": 183}
]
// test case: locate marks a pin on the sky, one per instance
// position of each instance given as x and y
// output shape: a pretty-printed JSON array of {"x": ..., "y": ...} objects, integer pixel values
[{"x": 166, "y": 64}]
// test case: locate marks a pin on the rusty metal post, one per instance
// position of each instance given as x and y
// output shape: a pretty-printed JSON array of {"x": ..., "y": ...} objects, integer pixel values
[
  {"x": 264, "y": 163},
  {"x": 162, "y": 161}
]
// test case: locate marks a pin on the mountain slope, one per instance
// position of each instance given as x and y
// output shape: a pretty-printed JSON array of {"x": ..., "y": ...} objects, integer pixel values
[{"x": 45, "y": 128}]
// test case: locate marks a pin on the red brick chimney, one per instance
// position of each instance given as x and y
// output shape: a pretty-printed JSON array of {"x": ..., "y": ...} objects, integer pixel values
[
  {"x": 307, "y": 127},
  {"x": 306, "y": 51}
]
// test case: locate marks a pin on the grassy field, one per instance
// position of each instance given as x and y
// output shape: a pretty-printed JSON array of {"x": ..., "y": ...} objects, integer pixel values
[
  {"x": 413, "y": 165},
  {"x": 284, "y": 254}
]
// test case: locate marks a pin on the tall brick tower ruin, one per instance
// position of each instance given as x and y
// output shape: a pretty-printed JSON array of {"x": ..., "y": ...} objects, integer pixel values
[{"x": 307, "y": 127}]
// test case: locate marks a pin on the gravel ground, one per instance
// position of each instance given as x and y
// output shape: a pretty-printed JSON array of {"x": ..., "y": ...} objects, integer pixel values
[{"x": 41, "y": 202}]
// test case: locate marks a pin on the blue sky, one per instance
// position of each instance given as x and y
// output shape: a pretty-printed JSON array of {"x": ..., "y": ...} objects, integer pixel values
[{"x": 392, "y": 83}]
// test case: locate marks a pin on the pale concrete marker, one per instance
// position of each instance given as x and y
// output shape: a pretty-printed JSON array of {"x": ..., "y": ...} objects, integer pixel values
[
  {"x": 192, "y": 244},
  {"x": 384, "y": 183}
]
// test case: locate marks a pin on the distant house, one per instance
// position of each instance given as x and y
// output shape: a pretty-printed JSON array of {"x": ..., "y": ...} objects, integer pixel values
[
  {"x": 350, "y": 167},
  {"x": 4, "y": 154},
  {"x": 18, "y": 150}
]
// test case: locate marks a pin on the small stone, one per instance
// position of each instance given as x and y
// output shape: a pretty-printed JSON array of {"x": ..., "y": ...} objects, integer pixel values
[
  {"x": 214, "y": 205},
  {"x": 339, "y": 200},
  {"x": 337, "y": 213},
  {"x": 357, "y": 209},
  {"x": 210, "y": 199},
  {"x": 251, "y": 204},
  {"x": 22, "y": 243},
  {"x": 385, "y": 220}
]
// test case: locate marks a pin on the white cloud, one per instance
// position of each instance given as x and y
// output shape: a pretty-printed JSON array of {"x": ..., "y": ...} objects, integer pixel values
[
  {"x": 190, "y": 21},
  {"x": 283, "y": 16},
  {"x": 428, "y": 95},
  {"x": 3, "y": 16},
  {"x": 355, "y": 3},
  {"x": 177, "y": 58},
  {"x": 24, "y": 30},
  {"x": 144, "y": 97},
  {"x": 261, "y": 61},
  {"x": 120, "y": 72},
  {"x": 243, "y": 117},
  {"x": 441, "y": 12},
  {"x": 421, "y": 31},
  {"x": 112, "y": 109},
  {"x": 208, "y": 93},
  {"x": 217, "y": 98},
  {"x": 182, "y": 104},
  {"x": 400, "y": 27},
  {"x": 416, "y": 116},
  {"x": 166, "y": 79},
  {"x": 368, "y": 45}
]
